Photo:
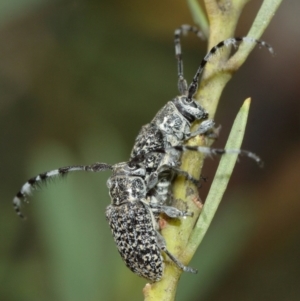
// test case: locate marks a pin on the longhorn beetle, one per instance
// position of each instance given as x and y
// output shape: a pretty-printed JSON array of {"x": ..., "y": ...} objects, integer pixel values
[
  {"x": 132, "y": 216},
  {"x": 161, "y": 141},
  {"x": 139, "y": 188}
]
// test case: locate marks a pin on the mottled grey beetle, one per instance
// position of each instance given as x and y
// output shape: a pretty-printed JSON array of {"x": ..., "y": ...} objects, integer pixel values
[
  {"x": 132, "y": 216},
  {"x": 160, "y": 142}
]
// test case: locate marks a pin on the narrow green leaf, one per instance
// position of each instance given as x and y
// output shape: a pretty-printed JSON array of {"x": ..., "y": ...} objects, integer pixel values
[
  {"x": 262, "y": 20},
  {"x": 199, "y": 16},
  {"x": 221, "y": 178}
]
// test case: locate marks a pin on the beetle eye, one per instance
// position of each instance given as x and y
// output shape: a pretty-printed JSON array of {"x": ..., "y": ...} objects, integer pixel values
[
  {"x": 131, "y": 165},
  {"x": 187, "y": 100}
]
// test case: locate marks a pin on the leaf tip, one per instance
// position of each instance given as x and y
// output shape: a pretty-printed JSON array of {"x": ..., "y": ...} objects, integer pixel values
[{"x": 247, "y": 102}]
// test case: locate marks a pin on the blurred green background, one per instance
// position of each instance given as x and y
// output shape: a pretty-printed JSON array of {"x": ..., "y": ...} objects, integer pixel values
[{"x": 77, "y": 81}]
